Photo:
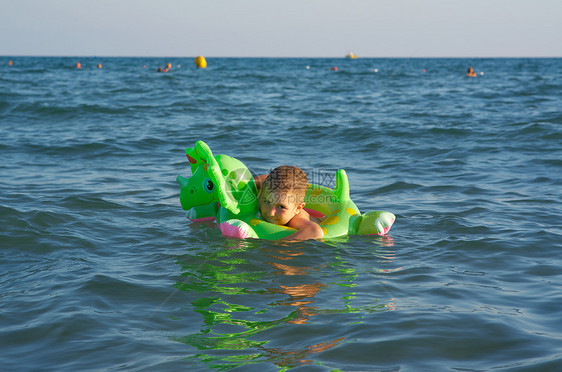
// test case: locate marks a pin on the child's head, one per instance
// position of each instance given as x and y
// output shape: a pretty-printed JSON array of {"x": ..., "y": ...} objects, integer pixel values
[{"x": 282, "y": 194}]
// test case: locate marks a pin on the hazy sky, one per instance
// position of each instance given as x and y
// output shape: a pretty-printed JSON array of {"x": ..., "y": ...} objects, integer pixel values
[{"x": 282, "y": 28}]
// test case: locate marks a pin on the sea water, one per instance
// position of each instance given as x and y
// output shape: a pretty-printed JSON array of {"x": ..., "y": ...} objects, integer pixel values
[{"x": 100, "y": 270}]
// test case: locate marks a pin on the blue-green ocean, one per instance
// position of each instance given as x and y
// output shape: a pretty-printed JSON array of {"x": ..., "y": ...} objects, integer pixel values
[{"x": 101, "y": 271}]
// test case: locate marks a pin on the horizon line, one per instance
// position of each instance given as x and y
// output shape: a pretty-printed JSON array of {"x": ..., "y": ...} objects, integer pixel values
[{"x": 279, "y": 57}]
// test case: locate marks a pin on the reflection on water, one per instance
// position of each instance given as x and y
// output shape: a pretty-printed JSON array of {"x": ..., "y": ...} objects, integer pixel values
[{"x": 250, "y": 290}]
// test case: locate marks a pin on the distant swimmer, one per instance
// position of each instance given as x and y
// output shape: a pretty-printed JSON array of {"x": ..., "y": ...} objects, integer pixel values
[
  {"x": 471, "y": 72},
  {"x": 78, "y": 65},
  {"x": 99, "y": 65},
  {"x": 165, "y": 69},
  {"x": 10, "y": 63}
]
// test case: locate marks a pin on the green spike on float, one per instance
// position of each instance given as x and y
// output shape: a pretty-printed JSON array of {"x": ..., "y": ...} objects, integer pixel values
[
  {"x": 182, "y": 181},
  {"x": 341, "y": 189}
]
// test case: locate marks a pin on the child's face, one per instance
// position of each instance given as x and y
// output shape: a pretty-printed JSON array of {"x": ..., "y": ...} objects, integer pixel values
[{"x": 278, "y": 208}]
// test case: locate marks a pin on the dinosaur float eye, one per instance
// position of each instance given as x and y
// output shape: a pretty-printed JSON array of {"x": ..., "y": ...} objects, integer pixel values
[{"x": 208, "y": 185}]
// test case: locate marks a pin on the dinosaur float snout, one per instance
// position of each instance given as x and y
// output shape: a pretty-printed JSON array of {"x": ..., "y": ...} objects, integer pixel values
[
  {"x": 185, "y": 191},
  {"x": 195, "y": 191}
]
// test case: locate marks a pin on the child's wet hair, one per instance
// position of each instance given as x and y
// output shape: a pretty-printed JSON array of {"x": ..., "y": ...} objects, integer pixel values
[{"x": 287, "y": 179}]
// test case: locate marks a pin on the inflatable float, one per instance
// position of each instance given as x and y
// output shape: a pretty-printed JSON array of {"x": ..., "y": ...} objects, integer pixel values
[{"x": 222, "y": 188}]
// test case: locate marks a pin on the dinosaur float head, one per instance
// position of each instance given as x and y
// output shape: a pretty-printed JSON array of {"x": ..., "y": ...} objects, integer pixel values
[{"x": 217, "y": 178}]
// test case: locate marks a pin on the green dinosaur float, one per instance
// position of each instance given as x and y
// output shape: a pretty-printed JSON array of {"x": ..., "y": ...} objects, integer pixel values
[{"x": 222, "y": 188}]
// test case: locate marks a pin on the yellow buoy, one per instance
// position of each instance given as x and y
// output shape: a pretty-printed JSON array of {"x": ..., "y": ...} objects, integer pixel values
[{"x": 201, "y": 62}]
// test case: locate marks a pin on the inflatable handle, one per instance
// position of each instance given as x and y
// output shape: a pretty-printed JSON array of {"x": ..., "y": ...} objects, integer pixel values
[
  {"x": 376, "y": 223},
  {"x": 237, "y": 229}
]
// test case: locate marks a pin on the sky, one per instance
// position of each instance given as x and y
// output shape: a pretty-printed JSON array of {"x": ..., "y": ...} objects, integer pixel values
[{"x": 281, "y": 28}]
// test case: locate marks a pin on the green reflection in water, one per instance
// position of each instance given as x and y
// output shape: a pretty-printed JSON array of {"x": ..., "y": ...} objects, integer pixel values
[
  {"x": 232, "y": 334},
  {"x": 214, "y": 271},
  {"x": 230, "y": 341}
]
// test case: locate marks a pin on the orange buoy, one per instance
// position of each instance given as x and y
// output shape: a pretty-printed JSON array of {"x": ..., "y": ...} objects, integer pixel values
[{"x": 78, "y": 65}]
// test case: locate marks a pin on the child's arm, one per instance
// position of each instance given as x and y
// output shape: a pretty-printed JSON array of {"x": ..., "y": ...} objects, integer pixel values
[{"x": 306, "y": 228}]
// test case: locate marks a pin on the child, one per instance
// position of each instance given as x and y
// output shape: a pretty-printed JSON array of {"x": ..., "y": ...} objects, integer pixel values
[{"x": 281, "y": 201}]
